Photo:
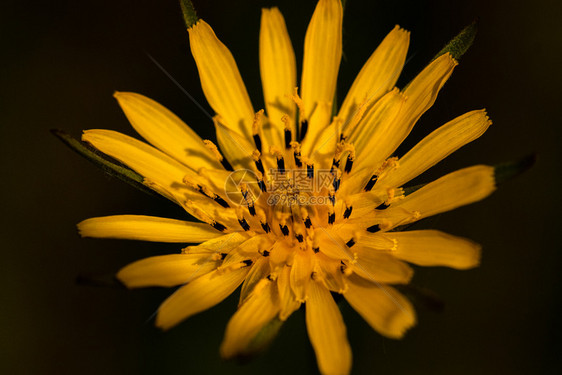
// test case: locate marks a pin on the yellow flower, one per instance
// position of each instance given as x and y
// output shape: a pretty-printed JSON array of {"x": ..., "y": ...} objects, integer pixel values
[{"x": 296, "y": 203}]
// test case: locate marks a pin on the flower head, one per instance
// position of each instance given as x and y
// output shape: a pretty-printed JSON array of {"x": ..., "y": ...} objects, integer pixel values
[{"x": 295, "y": 203}]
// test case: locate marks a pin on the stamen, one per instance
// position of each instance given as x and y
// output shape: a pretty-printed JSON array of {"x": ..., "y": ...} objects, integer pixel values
[
  {"x": 263, "y": 220},
  {"x": 347, "y": 212},
  {"x": 304, "y": 129},
  {"x": 244, "y": 224},
  {"x": 371, "y": 183},
  {"x": 256, "y": 125},
  {"x": 310, "y": 170},
  {"x": 256, "y": 155},
  {"x": 252, "y": 209},
  {"x": 247, "y": 262},
  {"x": 316, "y": 250},
  {"x": 382, "y": 206},
  {"x": 213, "y": 148},
  {"x": 288, "y": 138},
  {"x": 307, "y": 223},
  {"x": 349, "y": 162},
  {"x": 350, "y": 243},
  {"x": 299, "y": 237},
  {"x": 218, "y": 226},
  {"x": 280, "y": 161},
  {"x": 331, "y": 215},
  {"x": 265, "y": 253},
  {"x": 265, "y": 227},
  {"x": 336, "y": 182},
  {"x": 297, "y": 154},
  {"x": 374, "y": 228},
  {"x": 284, "y": 229}
]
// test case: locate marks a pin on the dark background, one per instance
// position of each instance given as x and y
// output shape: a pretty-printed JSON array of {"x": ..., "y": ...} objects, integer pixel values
[{"x": 61, "y": 62}]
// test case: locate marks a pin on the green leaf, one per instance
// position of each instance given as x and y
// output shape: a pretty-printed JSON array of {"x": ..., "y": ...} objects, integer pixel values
[
  {"x": 189, "y": 14},
  {"x": 461, "y": 43},
  {"x": 506, "y": 171},
  {"x": 108, "y": 165}
]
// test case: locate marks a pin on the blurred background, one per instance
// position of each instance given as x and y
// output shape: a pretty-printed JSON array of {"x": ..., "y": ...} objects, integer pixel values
[{"x": 61, "y": 63}]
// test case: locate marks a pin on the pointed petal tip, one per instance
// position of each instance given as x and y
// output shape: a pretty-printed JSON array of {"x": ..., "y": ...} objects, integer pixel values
[
  {"x": 506, "y": 171},
  {"x": 189, "y": 15}
]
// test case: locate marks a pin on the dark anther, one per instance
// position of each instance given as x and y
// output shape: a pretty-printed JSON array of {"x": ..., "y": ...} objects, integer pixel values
[
  {"x": 313, "y": 275},
  {"x": 332, "y": 199},
  {"x": 304, "y": 129},
  {"x": 262, "y": 186},
  {"x": 252, "y": 210},
  {"x": 221, "y": 201},
  {"x": 347, "y": 212},
  {"x": 269, "y": 277},
  {"x": 265, "y": 253},
  {"x": 223, "y": 255},
  {"x": 284, "y": 229},
  {"x": 248, "y": 262},
  {"x": 374, "y": 228},
  {"x": 259, "y": 166},
  {"x": 348, "y": 164},
  {"x": 226, "y": 164},
  {"x": 336, "y": 183},
  {"x": 266, "y": 227},
  {"x": 342, "y": 268},
  {"x": 335, "y": 164},
  {"x": 382, "y": 206},
  {"x": 300, "y": 238},
  {"x": 281, "y": 165},
  {"x": 257, "y": 141},
  {"x": 298, "y": 161},
  {"x": 331, "y": 218},
  {"x": 350, "y": 243},
  {"x": 316, "y": 250},
  {"x": 310, "y": 170},
  {"x": 218, "y": 226},
  {"x": 244, "y": 224},
  {"x": 288, "y": 138},
  {"x": 307, "y": 223},
  {"x": 371, "y": 183}
]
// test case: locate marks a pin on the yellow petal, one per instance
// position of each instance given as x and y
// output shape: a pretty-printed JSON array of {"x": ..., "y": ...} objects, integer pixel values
[
  {"x": 222, "y": 244},
  {"x": 235, "y": 147},
  {"x": 372, "y": 137},
  {"x": 301, "y": 269},
  {"x": 146, "y": 160},
  {"x": 419, "y": 97},
  {"x": 199, "y": 295},
  {"x": 378, "y": 75},
  {"x": 166, "y": 131},
  {"x": 330, "y": 272},
  {"x": 454, "y": 190},
  {"x": 435, "y": 248},
  {"x": 379, "y": 266},
  {"x": 278, "y": 71},
  {"x": 322, "y": 137},
  {"x": 437, "y": 146},
  {"x": 260, "y": 270},
  {"x": 322, "y": 55},
  {"x": 147, "y": 228},
  {"x": 288, "y": 301},
  {"x": 384, "y": 308},
  {"x": 423, "y": 90},
  {"x": 221, "y": 80},
  {"x": 167, "y": 270},
  {"x": 254, "y": 314},
  {"x": 327, "y": 332}
]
